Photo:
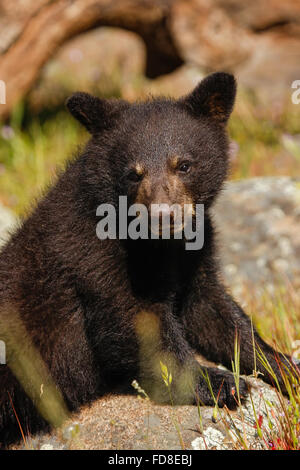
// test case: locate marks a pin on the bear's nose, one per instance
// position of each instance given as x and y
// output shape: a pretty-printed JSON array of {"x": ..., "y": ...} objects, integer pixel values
[{"x": 162, "y": 212}]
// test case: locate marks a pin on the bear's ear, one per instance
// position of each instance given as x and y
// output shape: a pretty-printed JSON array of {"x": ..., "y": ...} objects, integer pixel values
[
  {"x": 94, "y": 113},
  {"x": 213, "y": 97}
]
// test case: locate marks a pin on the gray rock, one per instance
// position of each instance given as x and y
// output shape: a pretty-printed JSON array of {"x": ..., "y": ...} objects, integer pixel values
[{"x": 259, "y": 230}]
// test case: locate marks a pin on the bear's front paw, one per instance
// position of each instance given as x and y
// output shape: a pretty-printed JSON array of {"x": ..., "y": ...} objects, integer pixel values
[{"x": 223, "y": 386}]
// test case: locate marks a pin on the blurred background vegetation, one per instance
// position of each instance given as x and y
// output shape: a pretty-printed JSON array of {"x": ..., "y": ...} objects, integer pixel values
[{"x": 165, "y": 47}]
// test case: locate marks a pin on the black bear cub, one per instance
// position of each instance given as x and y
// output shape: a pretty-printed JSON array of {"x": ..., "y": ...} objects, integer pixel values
[{"x": 81, "y": 316}]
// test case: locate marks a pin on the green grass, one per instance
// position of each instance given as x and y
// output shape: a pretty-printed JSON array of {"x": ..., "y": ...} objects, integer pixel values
[
  {"x": 30, "y": 157},
  {"x": 264, "y": 133},
  {"x": 276, "y": 315}
]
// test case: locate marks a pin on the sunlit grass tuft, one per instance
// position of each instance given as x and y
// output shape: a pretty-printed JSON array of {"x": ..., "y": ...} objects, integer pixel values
[
  {"x": 267, "y": 134},
  {"x": 31, "y": 157}
]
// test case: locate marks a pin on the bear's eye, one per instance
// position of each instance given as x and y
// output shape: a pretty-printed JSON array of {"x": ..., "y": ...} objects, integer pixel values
[
  {"x": 184, "y": 167},
  {"x": 133, "y": 176}
]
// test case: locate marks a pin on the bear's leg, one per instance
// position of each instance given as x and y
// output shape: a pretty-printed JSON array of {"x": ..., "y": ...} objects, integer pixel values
[
  {"x": 212, "y": 324},
  {"x": 44, "y": 382},
  {"x": 168, "y": 369}
]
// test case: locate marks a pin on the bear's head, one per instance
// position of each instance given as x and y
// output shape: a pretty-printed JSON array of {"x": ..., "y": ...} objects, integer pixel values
[{"x": 161, "y": 151}]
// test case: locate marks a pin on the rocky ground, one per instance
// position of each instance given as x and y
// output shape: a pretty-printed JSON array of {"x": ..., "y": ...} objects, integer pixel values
[
  {"x": 130, "y": 423},
  {"x": 258, "y": 222}
]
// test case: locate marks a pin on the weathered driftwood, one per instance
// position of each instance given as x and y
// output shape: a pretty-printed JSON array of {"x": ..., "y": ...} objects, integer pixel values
[
  {"x": 252, "y": 39},
  {"x": 32, "y": 31}
]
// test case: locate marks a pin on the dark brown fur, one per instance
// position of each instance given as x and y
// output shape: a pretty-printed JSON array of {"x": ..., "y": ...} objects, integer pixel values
[{"x": 100, "y": 313}]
